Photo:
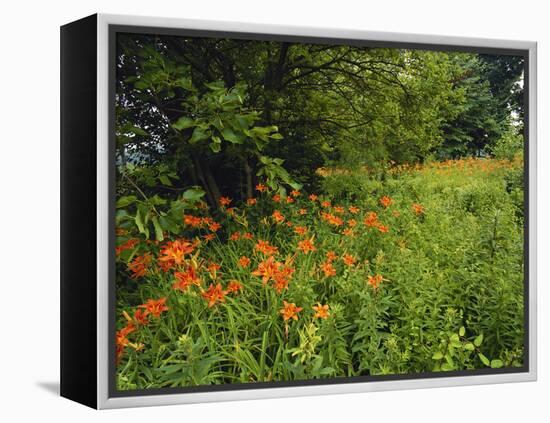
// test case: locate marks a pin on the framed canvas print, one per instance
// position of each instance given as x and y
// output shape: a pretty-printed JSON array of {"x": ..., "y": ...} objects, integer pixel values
[{"x": 253, "y": 211}]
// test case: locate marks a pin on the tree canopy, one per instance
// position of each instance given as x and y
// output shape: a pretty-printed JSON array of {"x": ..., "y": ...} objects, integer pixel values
[{"x": 224, "y": 110}]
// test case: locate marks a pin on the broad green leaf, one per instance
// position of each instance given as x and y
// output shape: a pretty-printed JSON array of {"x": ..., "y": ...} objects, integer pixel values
[
  {"x": 183, "y": 123},
  {"x": 437, "y": 355},
  {"x": 165, "y": 180},
  {"x": 469, "y": 346},
  {"x": 139, "y": 222},
  {"x": 193, "y": 194},
  {"x": 496, "y": 364},
  {"x": 199, "y": 134},
  {"x": 446, "y": 367},
  {"x": 484, "y": 359},
  {"x": 462, "y": 331},
  {"x": 478, "y": 340},
  {"x": 230, "y": 136},
  {"x": 158, "y": 229},
  {"x": 125, "y": 201}
]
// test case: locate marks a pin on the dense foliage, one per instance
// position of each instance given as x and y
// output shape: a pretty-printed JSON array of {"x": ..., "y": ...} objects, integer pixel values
[
  {"x": 312, "y": 287},
  {"x": 293, "y": 211}
]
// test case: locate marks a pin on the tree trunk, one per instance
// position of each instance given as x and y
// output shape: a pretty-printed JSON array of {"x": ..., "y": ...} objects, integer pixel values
[
  {"x": 212, "y": 185},
  {"x": 248, "y": 172},
  {"x": 209, "y": 196}
]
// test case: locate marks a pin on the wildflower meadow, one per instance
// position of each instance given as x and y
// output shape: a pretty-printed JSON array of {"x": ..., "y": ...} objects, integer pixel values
[{"x": 259, "y": 240}]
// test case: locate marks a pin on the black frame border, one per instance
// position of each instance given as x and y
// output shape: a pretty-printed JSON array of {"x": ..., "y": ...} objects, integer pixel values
[{"x": 115, "y": 29}]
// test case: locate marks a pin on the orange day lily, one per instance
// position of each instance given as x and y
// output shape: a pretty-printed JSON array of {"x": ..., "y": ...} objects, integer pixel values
[
  {"x": 290, "y": 311},
  {"x": 306, "y": 246},
  {"x": 386, "y": 201},
  {"x": 214, "y": 294},
  {"x": 234, "y": 286},
  {"x": 155, "y": 307},
  {"x": 328, "y": 269},
  {"x": 277, "y": 216},
  {"x": 266, "y": 248},
  {"x": 375, "y": 280},
  {"x": 225, "y": 201},
  {"x": 244, "y": 261},
  {"x": 185, "y": 279},
  {"x": 321, "y": 311},
  {"x": 348, "y": 259},
  {"x": 139, "y": 265}
]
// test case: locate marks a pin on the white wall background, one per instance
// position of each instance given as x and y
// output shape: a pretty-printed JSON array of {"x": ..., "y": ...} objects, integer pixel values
[{"x": 29, "y": 208}]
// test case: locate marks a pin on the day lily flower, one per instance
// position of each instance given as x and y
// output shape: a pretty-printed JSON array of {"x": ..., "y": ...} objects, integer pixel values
[
  {"x": 193, "y": 221},
  {"x": 386, "y": 201},
  {"x": 277, "y": 216},
  {"x": 300, "y": 230},
  {"x": 244, "y": 261},
  {"x": 375, "y": 280},
  {"x": 155, "y": 307},
  {"x": 321, "y": 311},
  {"x": 290, "y": 311},
  {"x": 383, "y": 228},
  {"x": 214, "y": 226},
  {"x": 214, "y": 294},
  {"x": 331, "y": 256},
  {"x": 418, "y": 208},
  {"x": 141, "y": 317},
  {"x": 128, "y": 245},
  {"x": 139, "y": 265},
  {"x": 348, "y": 259},
  {"x": 306, "y": 246},
  {"x": 371, "y": 220},
  {"x": 266, "y": 248},
  {"x": 225, "y": 201},
  {"x": 328, "y": 269},
  {"x": 185, "y": 279},
  {"x": 267, "y": 269},
  {"x": 261, "y": 188},
  {"x": 234, "y": 286},
  {"x": 174, "y": 252}
]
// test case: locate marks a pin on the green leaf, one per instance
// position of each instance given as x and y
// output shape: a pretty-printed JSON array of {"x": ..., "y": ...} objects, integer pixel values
[
  {"x": 437, "y": 355},
  {"x": 199, "y": 134},
  {"x": 158, "y": 229},
  {"x": 215, "y": 147},
  {"x": 125, "y": 201},
  {"x": 462, "y": 331},
  {"x": 230, "y": 136},
  {"x": 183, "y": 123},
  {"x": 193, "y": 194},
  {"x": 478, "y": 340},
  {"x": 496, "y": 364},
  {"x": 484, "y": 359},
  {"x": 446, "y": 367},
  {"x": 165, "y": 180},
  {"x": 139, "y": 222},
  {"x": 469, "y": 346}
]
